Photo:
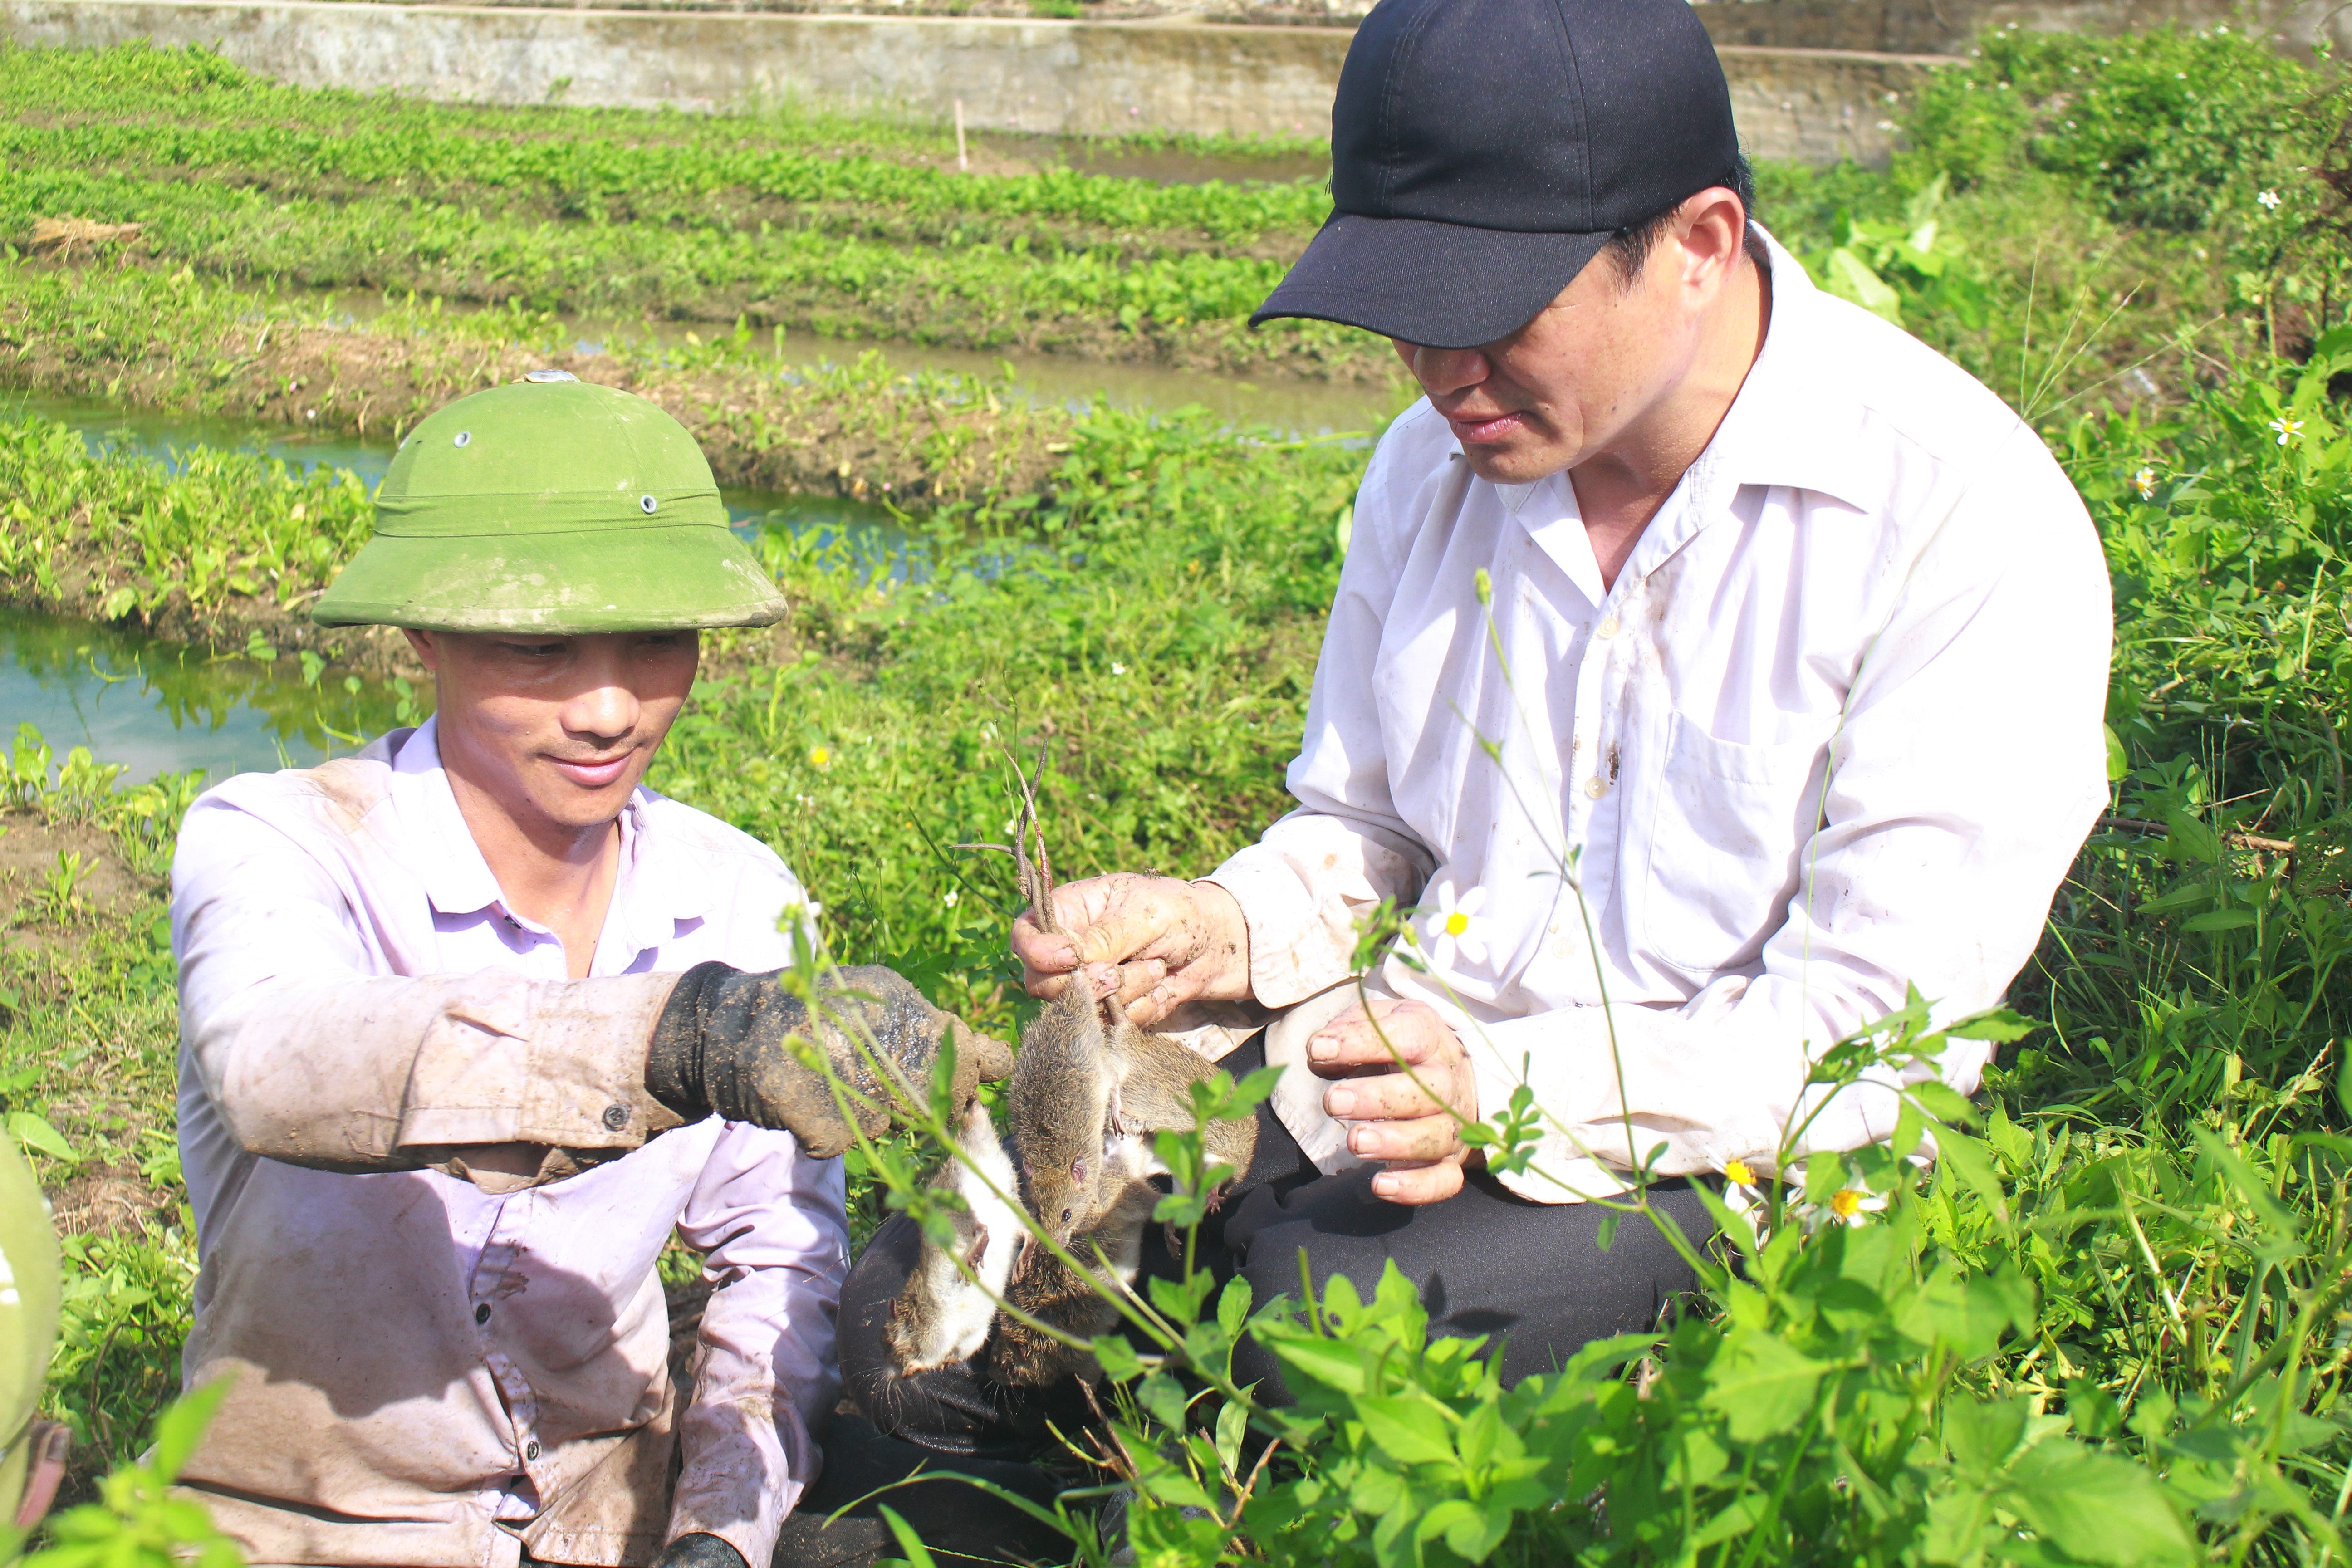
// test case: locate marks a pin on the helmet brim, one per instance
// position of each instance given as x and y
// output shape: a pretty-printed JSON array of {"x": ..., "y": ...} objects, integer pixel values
[{"x": 681, "y": 578}]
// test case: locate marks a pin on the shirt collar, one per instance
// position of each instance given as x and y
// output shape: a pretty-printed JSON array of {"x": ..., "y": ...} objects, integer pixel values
[
  {"x": 458, "y": 880},
  {"x": 1791, "y": 424},
  {"x": 655, "y": 887},
  {"x": 1794, "y": 422}
]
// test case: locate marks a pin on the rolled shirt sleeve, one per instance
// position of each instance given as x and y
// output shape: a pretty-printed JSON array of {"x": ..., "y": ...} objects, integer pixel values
[
  {"x": 315, "y": 1060},
  {"x": 389, "y": 1090}
]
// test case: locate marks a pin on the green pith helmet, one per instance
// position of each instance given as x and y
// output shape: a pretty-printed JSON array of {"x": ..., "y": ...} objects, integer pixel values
[
  {"x": 551, "y": 505},
  {"x": 29, "y": 1316}
]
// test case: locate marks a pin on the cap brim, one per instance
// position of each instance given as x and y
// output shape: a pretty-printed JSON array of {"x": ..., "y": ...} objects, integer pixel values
[
  {"x": 1441, "y": 285},
  {"x": 566, "y": 584}
]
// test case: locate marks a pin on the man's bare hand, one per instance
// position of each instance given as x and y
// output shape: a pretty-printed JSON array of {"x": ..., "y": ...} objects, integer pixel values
[
  {"x": 1155, "y": 941},
  {"x": 1408, "y": 1126}
]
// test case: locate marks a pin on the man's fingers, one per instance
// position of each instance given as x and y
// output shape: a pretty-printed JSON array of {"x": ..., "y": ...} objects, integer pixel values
[
  {"x": 980, "y": 1058},
  {"x": 1136, "y": 979},
  {"x": 1043, "y": 952},
  {"x": 1416, "y": 1184},
  {"x": 1171, "y": 993},
  {"x": 1394, "y": 1031},
  {"x": 1390, "y": 1096},
  {"x": 1421, "y": 1138}
]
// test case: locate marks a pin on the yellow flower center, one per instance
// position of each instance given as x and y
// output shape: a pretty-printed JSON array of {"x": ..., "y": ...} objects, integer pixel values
[
  {"x": 1456, "y": 923},
  {"x": 1845, "y": 1203},
  {"x": 1737, "y": 1171},
  {"x": 820, "y": 756}
]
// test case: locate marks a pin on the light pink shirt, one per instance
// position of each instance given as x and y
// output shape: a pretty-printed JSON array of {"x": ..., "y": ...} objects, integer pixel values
[{"x": 428, "y": 1369}]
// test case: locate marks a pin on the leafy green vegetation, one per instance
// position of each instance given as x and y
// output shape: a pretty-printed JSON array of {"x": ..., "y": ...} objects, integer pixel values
[
  {"x": 2109, "y": 1327},
  {"x": 772, "y": 218}
]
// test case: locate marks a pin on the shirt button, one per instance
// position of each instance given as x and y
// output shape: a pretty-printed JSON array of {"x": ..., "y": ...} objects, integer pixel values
[
  {"x": 482, "y": 1313},
  {"x": 616, "y": 1117},
  {"x": 1596, "y": 787},
  {"x": 530, "y": 1449},
  {"x": 1607, "y": 628}
]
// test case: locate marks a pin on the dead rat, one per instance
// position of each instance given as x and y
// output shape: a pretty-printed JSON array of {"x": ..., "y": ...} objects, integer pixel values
[
  {"x": 1089, "y": 1088},
  {"x": 1071, "y": 1300},
  {"x": 941, "y": 1317}
]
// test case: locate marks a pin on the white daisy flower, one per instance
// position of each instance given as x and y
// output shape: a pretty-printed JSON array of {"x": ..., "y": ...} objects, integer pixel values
[
  {"x": 2289, "y": 430},
  {"x": 1458, "y": 934},
  {"x": 1853, "y": 1205},
  {"x": 2270, "y": 200}
]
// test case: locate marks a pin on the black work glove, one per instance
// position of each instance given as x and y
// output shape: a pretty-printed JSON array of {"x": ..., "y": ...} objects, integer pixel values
[
  {"x": 700, "y": 1551},
  {"x": 719, "y": 1046}
]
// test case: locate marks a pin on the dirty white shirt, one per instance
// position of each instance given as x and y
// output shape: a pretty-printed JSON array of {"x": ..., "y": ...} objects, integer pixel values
[
  {"x": 1835, "y": 730},
  {"x": 431, "y": 1370}
]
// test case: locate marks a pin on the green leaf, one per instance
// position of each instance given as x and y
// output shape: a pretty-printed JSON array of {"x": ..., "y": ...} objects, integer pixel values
[
  {"x": 1162, "y": 1398},
  {"x": 1762, "y": 1384},
  {"x": 2118, "y": 760},
  {"x": 1983, "y": 1434},
  {"x": 2219, "y": 919},
  {"x": 1117, "y": 1358},
  {"x": 1943, "y": 1102},
  {"x": 1999, "y": 1024},
  {"x": 182, "y": 1424},
  {"x": 1234, "y": 1305},
  {"x": 2098, "y": 1508},
  {"x": 1409, "y": 1431},
  {"x": 35, "y": 1133},
  {"x": 1972, "y": 1163},
  {"x": 1850, "y": 278},
  {"x": 918, "y": 1555},
  {"x": 1232, "y": 1423}
]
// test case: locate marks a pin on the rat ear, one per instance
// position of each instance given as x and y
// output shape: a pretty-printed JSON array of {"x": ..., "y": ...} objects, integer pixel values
[{"x": 1079, "y": 1170}]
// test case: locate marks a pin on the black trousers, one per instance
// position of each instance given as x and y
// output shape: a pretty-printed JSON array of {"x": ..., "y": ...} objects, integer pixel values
[{"x": 1532, "y": 1275}]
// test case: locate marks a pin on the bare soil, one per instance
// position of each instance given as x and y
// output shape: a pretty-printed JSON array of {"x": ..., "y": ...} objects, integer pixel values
[
  {"x": 100, "y": 1109},
  {"x": 29, "y": 850}
]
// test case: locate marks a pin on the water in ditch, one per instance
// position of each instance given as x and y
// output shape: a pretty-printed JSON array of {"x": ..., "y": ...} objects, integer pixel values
[
  {"x": 159, "y": 706},
  {"x": 1291, "y": 405},
  {"x": 155, "y": 706}
]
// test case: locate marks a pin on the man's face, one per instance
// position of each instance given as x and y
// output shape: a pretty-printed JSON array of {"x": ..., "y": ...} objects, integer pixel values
[
  {"x": 557, "y": 730},
  {"x": 1574, "y": 380}
]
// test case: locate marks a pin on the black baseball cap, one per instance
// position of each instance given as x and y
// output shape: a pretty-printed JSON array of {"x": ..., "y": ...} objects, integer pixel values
[{"x": 1484, "y": 150}]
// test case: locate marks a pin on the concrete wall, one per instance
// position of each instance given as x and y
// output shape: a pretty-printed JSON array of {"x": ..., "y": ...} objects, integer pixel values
[
  {"x": 1063, "y": 78},
  {"x": 1947, "y": 27}
]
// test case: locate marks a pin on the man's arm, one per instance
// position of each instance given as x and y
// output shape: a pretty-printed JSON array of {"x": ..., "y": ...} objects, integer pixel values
[
  {"x": 1969, "y": 764},
  {"x": 772, "y": 1223},
  {"x": 1305, "y": 885},
  {"x": 315, "y": 1060}
]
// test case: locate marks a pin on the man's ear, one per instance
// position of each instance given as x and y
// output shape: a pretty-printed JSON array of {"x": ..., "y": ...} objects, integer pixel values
[
  {"x": 1714, "y": 235},
  {"x": 428, "y": 652}
]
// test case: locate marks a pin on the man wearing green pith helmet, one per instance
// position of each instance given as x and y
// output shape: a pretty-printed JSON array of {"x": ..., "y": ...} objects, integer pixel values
[{"x": 472, "y": 1022}]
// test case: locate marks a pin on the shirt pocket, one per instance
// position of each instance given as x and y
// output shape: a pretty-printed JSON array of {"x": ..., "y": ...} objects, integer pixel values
[{"x": 1728, "y": 824}]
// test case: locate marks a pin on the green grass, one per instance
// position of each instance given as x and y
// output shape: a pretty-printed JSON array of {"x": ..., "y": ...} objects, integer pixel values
[{"x": 2115, "y": 1314}]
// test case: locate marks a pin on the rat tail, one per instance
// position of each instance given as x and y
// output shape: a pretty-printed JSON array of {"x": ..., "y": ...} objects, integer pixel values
[{"x": 1034, "y": 877}]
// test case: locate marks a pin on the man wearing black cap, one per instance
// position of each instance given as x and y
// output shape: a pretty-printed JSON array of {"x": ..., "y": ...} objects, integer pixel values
[{"x": 1710, "y": 662}]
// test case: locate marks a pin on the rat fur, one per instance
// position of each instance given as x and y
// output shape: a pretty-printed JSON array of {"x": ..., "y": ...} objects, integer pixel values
[
  {"x": 1071, "y": 1300},
  {"x": 940, "y": 1316}
]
